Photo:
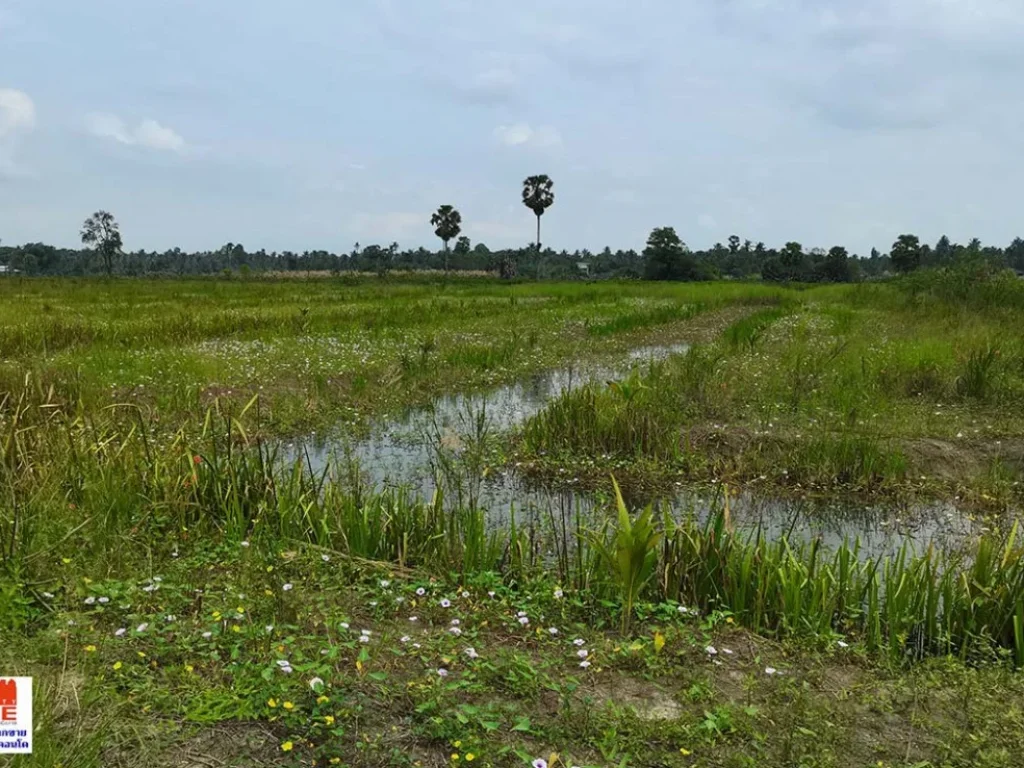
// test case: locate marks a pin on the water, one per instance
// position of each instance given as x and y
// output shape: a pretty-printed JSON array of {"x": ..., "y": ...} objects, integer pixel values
[{"x": 424, "y": 444}]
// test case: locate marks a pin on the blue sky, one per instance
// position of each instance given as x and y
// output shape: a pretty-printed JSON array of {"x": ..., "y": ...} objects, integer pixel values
[{"x": 318, "y": 123}]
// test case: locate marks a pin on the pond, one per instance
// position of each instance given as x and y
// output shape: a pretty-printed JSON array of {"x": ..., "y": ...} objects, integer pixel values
[{"x": 427, "y": 447}]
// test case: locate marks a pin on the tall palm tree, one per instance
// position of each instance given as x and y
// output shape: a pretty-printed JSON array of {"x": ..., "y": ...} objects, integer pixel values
[
  {"x": 447, "y": 223},
  {"x": 538, "y": 197}
]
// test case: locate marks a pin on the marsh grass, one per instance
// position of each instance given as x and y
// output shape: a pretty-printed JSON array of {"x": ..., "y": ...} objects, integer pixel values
[{"x": 109, "y": 493}]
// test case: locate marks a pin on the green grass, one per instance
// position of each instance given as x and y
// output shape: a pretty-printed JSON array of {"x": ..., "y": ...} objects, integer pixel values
[
  {"x": 143, "y": 487},
  {"x": 868, "y": 387}
]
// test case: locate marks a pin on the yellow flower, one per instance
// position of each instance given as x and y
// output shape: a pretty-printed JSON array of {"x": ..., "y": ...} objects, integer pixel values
[
  {"x": 322, "y": 699},
  {"x": 685, "y": 752},
  {"x": 117, "y": 665},
  {"x": 335, "y": 760},
  {"x": 270, "y": 568},
  {"x": 268, "y": 593},
  {"x": 455, "y": 755},
  {"x": 329, "y": 719},
  {"x": 470, "y": 757},
  {"x": 216, "y": 615},
  {"x": 90, "y": 649},
  {"x": 141, "y": 654},
  {"x": 236, "y": 628},
  {"x": 189, "y": 668},
  {"x": 287, "y": 746},
  {"x": 87, "y": 580},
  {"x": 288, "y": 705},
  {"x": 456, "y": 744},
  {"x": 65, "y": 560},
  {"x": 239, "y": 609},
  {"x": 271, "y": 703}
]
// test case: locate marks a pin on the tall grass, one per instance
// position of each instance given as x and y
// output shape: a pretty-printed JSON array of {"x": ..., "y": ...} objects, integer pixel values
[{"x": 99, "y": 494}]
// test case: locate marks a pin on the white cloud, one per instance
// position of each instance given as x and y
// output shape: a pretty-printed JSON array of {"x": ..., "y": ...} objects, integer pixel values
[
  {"x": 523, "y": 134},
  {"x": 17, "y": 116},
  {"x": 149, "y": 133},
  {"x": 17, "y": 112}
]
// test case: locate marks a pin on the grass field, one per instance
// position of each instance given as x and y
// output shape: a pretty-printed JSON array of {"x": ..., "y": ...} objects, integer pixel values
[{"x": 185, "y": 597}]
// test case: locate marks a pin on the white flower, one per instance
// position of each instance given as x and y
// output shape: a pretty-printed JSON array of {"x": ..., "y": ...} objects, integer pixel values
[
  {"x": 711, "y": 650},
  {"x": 683, "y": 609},
  {"x": 523, "y": 620},
  {"x": 521, "y": 614},
  {"x": 727, "y": 652},
  {"x": 365, "y": 632},
  {"x": 404, "y": 639},
  {"x": 325, "y": 558},
  {"x": 552, "y": 631},
  {"x": 421, "y": 591},
  {"x": 413, "y": 618},
  {"x": 399, "y": 599},
  {"x": 120, "y": 632},
  {"x": 316, "y": 684},
  {"x": 142, "y": 627},
  {"x": 373, "y": 603},
  {"x": 455, "y": 622},
  {"x": 157, "y": 579},
  {"x": 48, "y": 595},
  {"x": 364, "y": 638},
  {"x": 287, "y": 669},
  {"x": 344, "y": 625},
  {"x": 559, "y": 594},
  {"x": 385, "y": 583},
  {"x": 446, "y": 603},
  {"x": 150, "y": 588},
  {"x": 492, "y": 594},
  {"x": 540, "y": 763},
  {"x": 583, "y": 653},
  {"x": 90, "y": 600},
  {"x": 471, "y": 652},
  {"x": 415, "y": 645},
  {"x": 442, "y": 672},
  {"x": 579, "y": 641},
  {"x": 283, "y": 663},
  {"x": 465, "y": 594},
  {"x": 287, "y": 587},
  {"x": 841, "y": 644},
  {"x": 104, "y": 600},
  {"x": 771, "y": 671},
  {"x": 245, "y": 543},
  {"x": 269, "y": 628},
  {"x": 584, "y": 664},
  {"x": 455, "y": 631},
  {"x": 207, "y": 635}
]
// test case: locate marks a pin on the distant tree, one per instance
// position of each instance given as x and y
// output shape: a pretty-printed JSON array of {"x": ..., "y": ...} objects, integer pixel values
[
  {"x": 101, "y": 231},
  {"x": 734, "y": 244},
  {"x": 666, "y": 257},
  {"x": 447, "y": 223},
  {"x": 462, "y": 246},
  {"x": 538, "y": 197},
  {"x": 943, "y": 251},
  {"x": 906, "y": 253},
  {"x": 836, "y": 266},
  {"x": 1015, "y": 254}
]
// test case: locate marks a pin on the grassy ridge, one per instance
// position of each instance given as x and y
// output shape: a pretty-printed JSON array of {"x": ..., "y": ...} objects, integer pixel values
[{"x": 869, "y": 387}]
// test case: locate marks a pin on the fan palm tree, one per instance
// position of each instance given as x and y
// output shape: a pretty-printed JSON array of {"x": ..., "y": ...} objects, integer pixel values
[
  {"x": 538, "y": 197},
  {"x": 447, "y": 223}
]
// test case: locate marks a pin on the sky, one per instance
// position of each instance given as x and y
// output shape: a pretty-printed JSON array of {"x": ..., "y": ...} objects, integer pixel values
[{"x": 316, "y": 123}]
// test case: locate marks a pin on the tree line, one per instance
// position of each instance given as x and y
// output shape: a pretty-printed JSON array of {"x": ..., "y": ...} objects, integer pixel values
[{"x": 665, "y": 256}]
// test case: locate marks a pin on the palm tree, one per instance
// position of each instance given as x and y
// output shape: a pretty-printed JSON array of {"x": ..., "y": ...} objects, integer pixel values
[
  {"x": 447, "y": 223},
  {"x": 538, "y": 197}
]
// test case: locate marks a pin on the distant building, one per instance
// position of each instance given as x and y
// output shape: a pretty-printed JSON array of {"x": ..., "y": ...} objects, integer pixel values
[
  {"x": 6, "y": 270},
  {"x": 583, "y": 267}
]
